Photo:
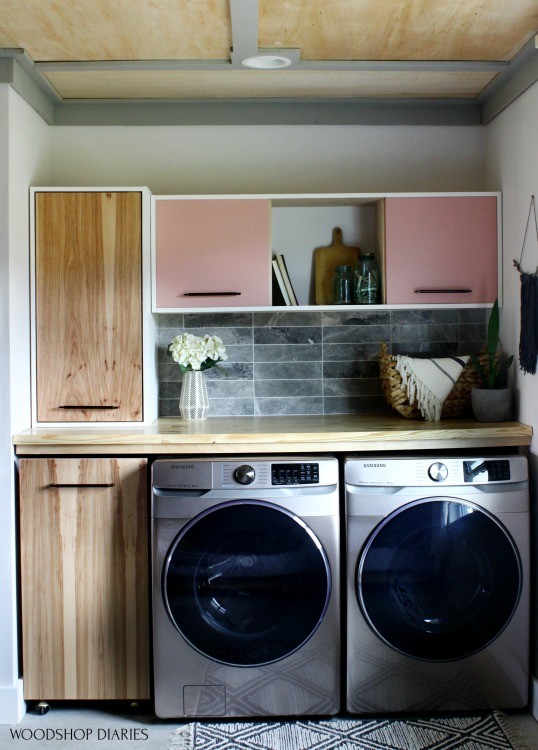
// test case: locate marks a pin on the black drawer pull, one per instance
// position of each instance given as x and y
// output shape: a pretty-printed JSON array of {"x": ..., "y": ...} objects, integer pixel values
[
  {"x": 87, "y": 406},
  {"x": 63, "y": 486},
  {"x": 443, "y": 291},
  {"x": 210, "y": 294}
]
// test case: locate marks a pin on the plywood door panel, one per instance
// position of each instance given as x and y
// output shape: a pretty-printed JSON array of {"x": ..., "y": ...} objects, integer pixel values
[
  {"x": 441, "y": 243},
  {"x": 211, "y": 247},
  {"x": 84, "y": 578},
  {"x": 88, "y": 306}
]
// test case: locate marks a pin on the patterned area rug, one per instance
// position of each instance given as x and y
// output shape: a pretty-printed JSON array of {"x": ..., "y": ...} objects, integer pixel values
[{"x": 477, "y": 732}]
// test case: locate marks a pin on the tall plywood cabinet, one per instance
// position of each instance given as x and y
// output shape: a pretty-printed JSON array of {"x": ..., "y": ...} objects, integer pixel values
[
  {"x": 84, "y": 578},
  {"x": 88, "y": 306}
]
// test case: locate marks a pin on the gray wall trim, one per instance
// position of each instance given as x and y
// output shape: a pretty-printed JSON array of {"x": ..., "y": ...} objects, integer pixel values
[
  {"x": 349, "y": 66},
  {"x": 509, "y": 85},
  {"x": 275, "y": 112},
  {"x": 26, "y": 87}
]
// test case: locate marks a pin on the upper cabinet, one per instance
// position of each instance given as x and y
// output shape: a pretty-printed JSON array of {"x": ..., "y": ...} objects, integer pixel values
[
  {"x": 211, "y": 253},
  {"x": 441, "y": 249},
  {"x": 215, "y": 252},
  {"x": 88, "y": 306}
]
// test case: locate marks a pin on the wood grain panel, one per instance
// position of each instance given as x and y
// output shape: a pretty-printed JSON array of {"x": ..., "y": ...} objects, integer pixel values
[
  {"x": 198, "y": 84},
  {"x": 294, "y": 434},
  {"x": 120, "y": 30},
  {"x": 84, "y": 579},
  {"x": 88, "y": 306},
  {"x": 398, "y": 29}
]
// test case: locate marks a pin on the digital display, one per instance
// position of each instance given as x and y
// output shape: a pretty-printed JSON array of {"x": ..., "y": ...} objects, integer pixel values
[
  {"x": 486, "y": 471},
  {"x": 306, "y": 473}
]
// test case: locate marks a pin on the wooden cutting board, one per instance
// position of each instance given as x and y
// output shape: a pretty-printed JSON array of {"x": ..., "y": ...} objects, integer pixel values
[{"x": 325, "y": 261}]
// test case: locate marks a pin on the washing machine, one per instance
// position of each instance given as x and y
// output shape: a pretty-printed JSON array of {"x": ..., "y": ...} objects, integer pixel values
[
  {"x": 437, "y": 583},
  {"x": 246, "y": 600}
]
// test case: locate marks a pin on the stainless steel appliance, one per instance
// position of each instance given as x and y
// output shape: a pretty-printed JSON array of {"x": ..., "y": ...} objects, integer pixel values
[
  {"x": 437, "y": 583},
  {"x": 246, "y": 586}
]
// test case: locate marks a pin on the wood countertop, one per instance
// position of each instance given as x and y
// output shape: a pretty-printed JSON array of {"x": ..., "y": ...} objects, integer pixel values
[{"x": 282, "y": 434}]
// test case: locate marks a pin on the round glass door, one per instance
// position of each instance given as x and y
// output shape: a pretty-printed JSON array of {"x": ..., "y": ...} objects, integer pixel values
[
  {"x": 246, "y": 583},
  {"x": 439, "y": 579}
]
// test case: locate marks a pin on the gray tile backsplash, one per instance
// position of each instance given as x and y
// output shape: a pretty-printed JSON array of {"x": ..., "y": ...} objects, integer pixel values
[{"x": 310, "y": 362}]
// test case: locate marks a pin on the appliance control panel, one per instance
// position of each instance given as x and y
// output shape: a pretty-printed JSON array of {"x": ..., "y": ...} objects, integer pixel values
[
  {"x": 304, "y": 473},
  {"x": 422, "y": 472},
  {"x": 244, "y": 474}
]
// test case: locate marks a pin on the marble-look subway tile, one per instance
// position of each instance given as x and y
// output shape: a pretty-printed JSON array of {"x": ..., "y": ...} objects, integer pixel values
[
  {"x": 230, "y": 389},
  {"x": 287, "y": 388},
  {"x": 357, "y": 368},
  {"x": 218, "y": 320},
  {"x": 232, "y": 335},
  {"x": 472, "y": 332},
  {"x": 428, "y": 317},
  {"x": 286, "y": 318},
  {"x": 168, "y": 371},
  {"x": 351, "y": 352},
  {"x": 298, "y": 356},
  {"x": 276, "y": 406},
  {"x": 351, "y": 387},
  {"x": 427, "y": 349},
  {"x": 356, "y": 405},
  {"x": 288, "y": 335},
  {"x": 425, "y": 332},
  {"x": 358, "y": 334},
  {"x": 231, "y": 407},
  {"x": 169, "y": 320},
  {"x": 473, "y": 315},
  {"x": 168, "y": 407},
  {"x": 362, "y": 317},
  {"x": 287, "y": 370},
  {"x": 169, "y": 390},
  {"x": 289, "y": 353}
]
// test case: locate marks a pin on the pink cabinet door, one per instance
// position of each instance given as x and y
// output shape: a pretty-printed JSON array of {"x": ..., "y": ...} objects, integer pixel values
[
  {"x": 436, "y": 244},
  {"x": 212, "y": 253}
]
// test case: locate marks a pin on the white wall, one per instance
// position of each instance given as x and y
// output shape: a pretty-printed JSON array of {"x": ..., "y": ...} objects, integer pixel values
[
  {"x": 24, "y": 157},
  {"x": 271, "y": 159},
  {"x": 512, "y": 166}
]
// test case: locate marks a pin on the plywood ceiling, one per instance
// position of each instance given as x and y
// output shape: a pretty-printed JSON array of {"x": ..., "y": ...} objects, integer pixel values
[{"x": 182, "y": 49}]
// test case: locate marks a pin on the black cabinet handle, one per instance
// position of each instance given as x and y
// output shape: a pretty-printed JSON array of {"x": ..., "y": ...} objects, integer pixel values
[
  {"x": 209, "y": 294},
  {"x": 87, "y": 406},
  {"x": 443, "y": 291},
  {"x": 62, "y": 486}
]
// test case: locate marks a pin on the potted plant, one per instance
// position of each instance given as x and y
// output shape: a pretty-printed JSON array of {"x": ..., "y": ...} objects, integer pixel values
[{"x": 492, "y": 402}]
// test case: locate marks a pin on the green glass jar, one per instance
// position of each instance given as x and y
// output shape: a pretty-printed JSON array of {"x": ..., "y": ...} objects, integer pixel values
[
  {"x": 367, "y": 283},
  {"x": 343, "y": 285}
]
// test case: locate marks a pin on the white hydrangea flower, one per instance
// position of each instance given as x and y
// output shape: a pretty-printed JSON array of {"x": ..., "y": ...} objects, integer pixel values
[{"x": 197, "y": 352}]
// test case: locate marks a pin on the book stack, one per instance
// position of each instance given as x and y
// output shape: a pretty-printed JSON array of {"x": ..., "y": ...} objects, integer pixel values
[{"x": 283, "y": 292}]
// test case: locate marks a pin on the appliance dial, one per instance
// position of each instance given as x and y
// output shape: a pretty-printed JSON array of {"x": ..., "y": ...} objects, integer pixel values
[
  {"x": 438, "y": 472},
  {"x": 244, "y": 474}
]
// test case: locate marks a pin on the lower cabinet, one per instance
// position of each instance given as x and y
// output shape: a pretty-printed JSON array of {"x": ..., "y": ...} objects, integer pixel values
[{"x": 84, "y": 578}]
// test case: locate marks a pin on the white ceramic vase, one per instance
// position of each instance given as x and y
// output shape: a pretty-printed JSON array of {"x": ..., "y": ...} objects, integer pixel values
[{"x": 193, "y": 401}]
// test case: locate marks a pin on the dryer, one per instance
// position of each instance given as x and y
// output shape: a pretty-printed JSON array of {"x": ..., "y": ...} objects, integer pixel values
[
  {"x": 246, "y": 600},
  {"x": 437, "y": 583}
]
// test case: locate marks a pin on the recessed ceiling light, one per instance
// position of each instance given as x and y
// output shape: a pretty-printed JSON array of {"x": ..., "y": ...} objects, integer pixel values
[{"x": 266, "y": 62}]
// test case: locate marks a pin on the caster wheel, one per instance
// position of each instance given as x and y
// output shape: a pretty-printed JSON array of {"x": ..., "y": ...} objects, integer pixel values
[{"x": 42, "y": 708}]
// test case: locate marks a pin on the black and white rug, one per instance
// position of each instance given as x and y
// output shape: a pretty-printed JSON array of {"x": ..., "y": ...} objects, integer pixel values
[{"x": 477, "y": 732}]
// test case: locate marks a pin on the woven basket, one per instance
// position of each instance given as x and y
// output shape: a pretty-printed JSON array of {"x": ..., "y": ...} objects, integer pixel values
[{"x": 457, "y": 403}]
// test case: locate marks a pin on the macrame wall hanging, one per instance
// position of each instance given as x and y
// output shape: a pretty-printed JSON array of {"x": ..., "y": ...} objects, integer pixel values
[{"x": 528, "y": 339}]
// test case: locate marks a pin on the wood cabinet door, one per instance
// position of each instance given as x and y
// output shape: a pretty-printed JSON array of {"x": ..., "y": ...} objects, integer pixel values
[
  {"x": 88, "y": 286},
  {"x": 84, "y": 578},
  {"x": 212, "y": 253},
  {"x": 438, "y": 247}
]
